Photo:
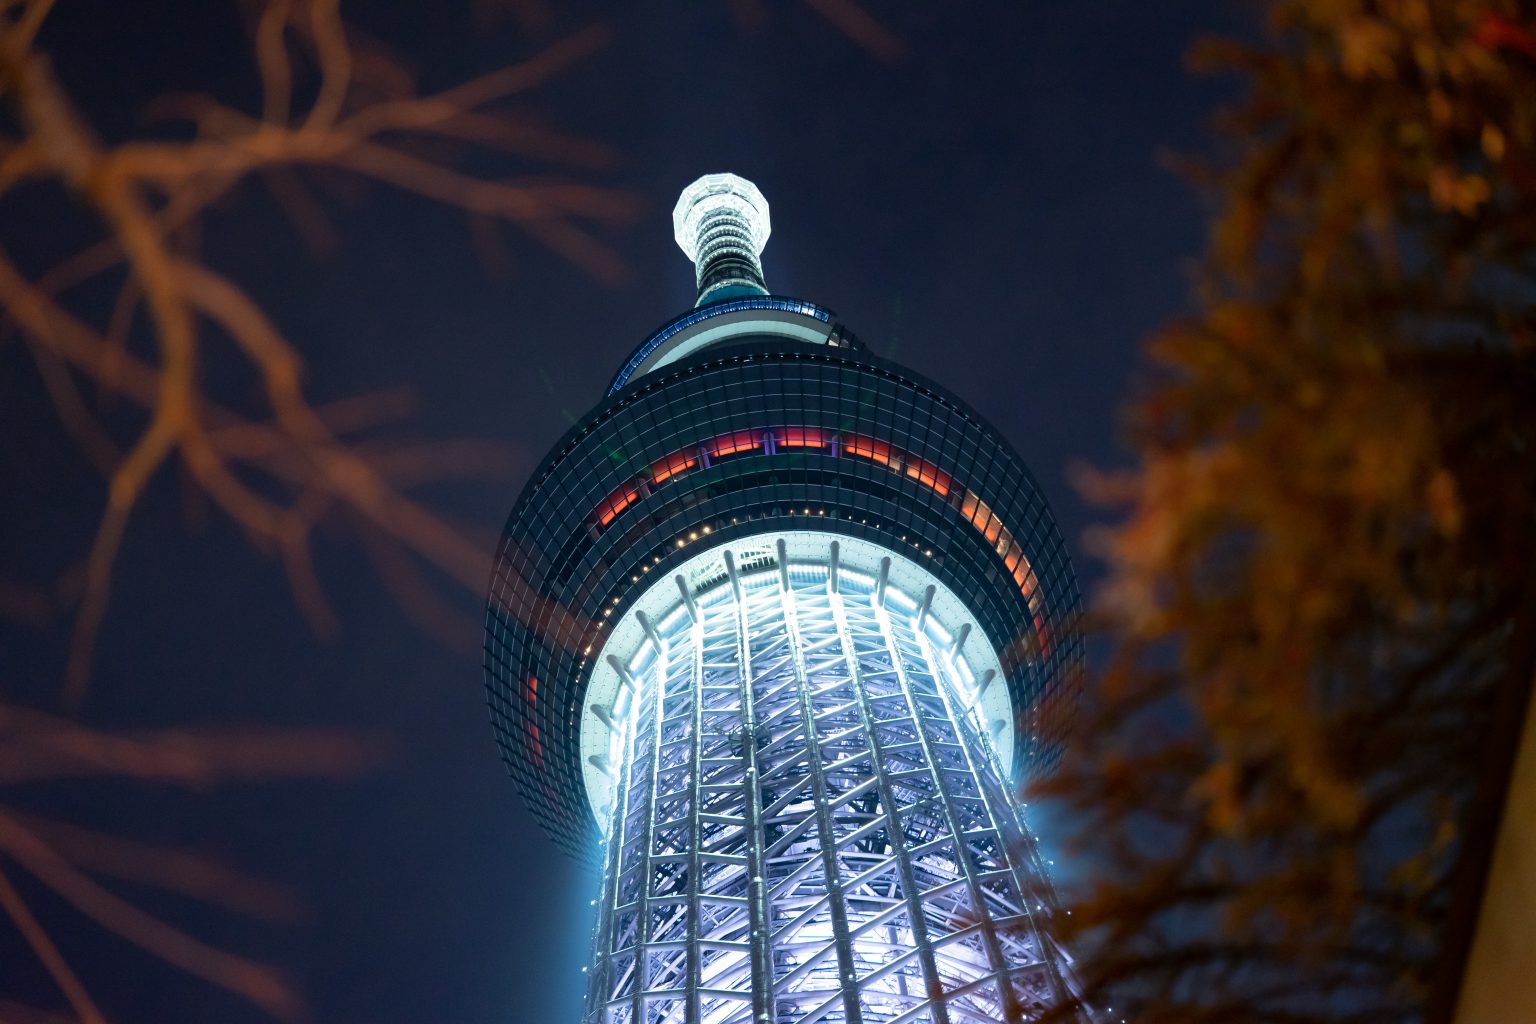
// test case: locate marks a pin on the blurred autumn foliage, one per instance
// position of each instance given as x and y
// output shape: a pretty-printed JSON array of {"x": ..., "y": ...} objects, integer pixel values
[{"x": 1324, "y": 590}]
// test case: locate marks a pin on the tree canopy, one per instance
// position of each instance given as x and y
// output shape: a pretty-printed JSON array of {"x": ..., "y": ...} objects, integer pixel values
[{"x": 1322, "y": 589}]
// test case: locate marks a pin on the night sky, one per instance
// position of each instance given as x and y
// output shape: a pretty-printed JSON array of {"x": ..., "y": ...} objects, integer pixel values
[{"x": 990, "y": 211}]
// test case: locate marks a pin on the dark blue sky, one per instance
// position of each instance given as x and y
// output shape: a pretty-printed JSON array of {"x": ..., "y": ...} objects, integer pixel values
[{"x": 989, "y": 211}]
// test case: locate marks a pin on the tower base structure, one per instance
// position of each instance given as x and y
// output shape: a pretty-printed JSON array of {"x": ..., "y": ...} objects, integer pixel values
[{"x": 807, "y": 820}]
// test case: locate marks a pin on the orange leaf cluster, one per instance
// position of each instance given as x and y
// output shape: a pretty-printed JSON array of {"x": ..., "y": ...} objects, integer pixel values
[{"x": 1325, "y": 580}]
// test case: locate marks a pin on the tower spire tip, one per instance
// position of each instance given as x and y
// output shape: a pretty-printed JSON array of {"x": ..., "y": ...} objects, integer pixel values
[{"x": 721, "y": 222}]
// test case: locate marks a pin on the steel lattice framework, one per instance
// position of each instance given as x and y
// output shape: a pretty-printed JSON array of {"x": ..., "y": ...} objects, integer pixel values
[{"x": 807, "y": 825}]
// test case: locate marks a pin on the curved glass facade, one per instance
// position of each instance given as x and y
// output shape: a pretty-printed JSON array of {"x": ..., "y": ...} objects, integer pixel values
[{"x": 562, "y": 578}]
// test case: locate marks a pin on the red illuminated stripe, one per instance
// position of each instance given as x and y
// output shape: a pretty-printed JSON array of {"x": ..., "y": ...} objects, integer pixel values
[
  {"x": 617, "y": 502},
  {"x": 859, "y": 446},
  {"x": 730, "y": 444},
  {"x": 929, "y": 474},
  {"x": 678, "y": 462},
  {"x": 804, "y": 437},
  {"x": 868, "y": 448}
]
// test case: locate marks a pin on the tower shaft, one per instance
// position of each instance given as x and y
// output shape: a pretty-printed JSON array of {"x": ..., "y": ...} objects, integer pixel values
[{"x": 806, "y": 824}]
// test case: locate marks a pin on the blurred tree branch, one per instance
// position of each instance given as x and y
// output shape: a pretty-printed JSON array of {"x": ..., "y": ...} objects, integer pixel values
[
  {"x": 63, "y": 857},
  {"x": 849, "y": 17},
  {"x": 330, "y": 103},
  {"x": 1324, "y": 591},
  {"x": 276, "y": 477}
]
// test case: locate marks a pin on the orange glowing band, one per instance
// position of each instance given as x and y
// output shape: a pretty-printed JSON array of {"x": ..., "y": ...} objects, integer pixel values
[
  {"x": 678, "y": 462},
  {"x": 868, "y": 448},
  {"x": 1043, "y": 633},
  {"x": 928, "y": 474},
  {"x": 981, "y": 517},
  {"x": 617, "y": 502},
  {"x": 804, "y": 437},
  {"x": 730, "y": 444},
  {"x": 859, "y": 446}
]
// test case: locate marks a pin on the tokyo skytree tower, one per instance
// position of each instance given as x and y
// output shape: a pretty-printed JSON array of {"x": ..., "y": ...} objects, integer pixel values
[{"x": 774, "y": 633}]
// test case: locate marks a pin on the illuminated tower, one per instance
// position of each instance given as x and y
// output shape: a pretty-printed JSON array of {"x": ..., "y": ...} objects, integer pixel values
[{"x": 773, "y": 633}]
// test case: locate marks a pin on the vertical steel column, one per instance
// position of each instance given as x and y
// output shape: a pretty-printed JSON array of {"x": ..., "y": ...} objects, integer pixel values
[
  {"x": 763, "y": 1011},
  {"x": 604, "y": 978},
  {"x": 896, "y": 835},
  {"x": 643, "y": 894},
  {"x": 963, "y": 855},
  {"x": 838, "y": 907},
  {"x": 971, "y": 746},
  {"x": 693, "y": 1010}
]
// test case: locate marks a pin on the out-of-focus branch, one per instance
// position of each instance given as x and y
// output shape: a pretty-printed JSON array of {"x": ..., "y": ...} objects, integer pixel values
[
  {"x": 148, "y": 193},
  {"x": 847, "y": 16},
  {"x": 38, "y": 747},
  {"x": 262, "y": 446},
  {"x": 16, "y": 1013},
  {"x": 43, "y": 947},
  {"x": 41, "y": 747},
  {"x": 862, "y": 27},
  {"x": 165, "y": 867},
  {"x": 330, "y": 104},
  {"x": 262, "y": 985}
]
